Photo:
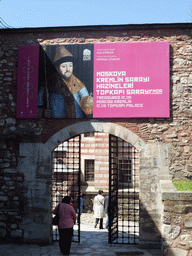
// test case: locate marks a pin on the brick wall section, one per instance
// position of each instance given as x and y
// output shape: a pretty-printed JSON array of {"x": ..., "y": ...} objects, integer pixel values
[
  {"x": 98, "y": 148},
  {"x": 101, "y": 160}
]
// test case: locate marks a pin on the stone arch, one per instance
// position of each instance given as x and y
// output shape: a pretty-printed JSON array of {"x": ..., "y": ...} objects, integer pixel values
[
  {"x": 95, "y": 126},
  {"x": 35, "y": 164},
  {"x": 153, "y": 168}
]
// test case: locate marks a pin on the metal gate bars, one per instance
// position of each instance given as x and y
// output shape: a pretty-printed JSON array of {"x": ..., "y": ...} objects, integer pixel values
[
  {"x": 123, "y": 192},
  {"x": 123, "y": 186},
  {"x": 66, "y": 178}
]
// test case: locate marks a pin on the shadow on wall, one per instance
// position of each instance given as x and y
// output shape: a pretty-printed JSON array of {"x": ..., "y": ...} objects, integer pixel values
[{"x": 149, "y": 234}]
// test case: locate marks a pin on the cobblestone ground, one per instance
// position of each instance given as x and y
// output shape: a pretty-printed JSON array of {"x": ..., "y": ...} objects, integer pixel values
[{"x": 94, "y": 242}]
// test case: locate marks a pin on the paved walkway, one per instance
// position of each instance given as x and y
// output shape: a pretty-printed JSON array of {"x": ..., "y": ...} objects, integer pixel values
[{"x": 93, "y": 242}]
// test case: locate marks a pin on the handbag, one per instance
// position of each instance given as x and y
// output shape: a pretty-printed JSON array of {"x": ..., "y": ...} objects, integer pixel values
[{"x": 55, "y": 220}]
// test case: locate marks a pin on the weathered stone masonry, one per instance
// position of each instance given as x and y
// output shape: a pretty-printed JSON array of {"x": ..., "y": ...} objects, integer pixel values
[
  {"x": 176, "y": 221},
  {"x": 174, "y": 132}
]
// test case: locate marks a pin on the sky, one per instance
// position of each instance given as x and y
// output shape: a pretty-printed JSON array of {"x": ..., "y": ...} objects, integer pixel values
[{"x": 62, "y": 13}]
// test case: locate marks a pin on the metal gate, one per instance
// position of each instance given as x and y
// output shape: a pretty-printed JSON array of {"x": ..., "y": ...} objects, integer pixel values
[
  {"x": 123, "y": 187},
  {"x": 66, "y": 160},
  {"x": 123, "y": 192}
]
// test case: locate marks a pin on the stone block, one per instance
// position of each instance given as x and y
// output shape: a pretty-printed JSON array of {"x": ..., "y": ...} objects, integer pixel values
[
  {"x": 9, "y": 183},
  {"x": 2, "y": 217},
  {"x": 36, "y": 232},
  {"x": 38, "y": 152},
  {"x": 2, "y": 225},
  {"x": 10, "y": 121},
  {"x": 5, "y": 154},
  {"x": 177, "y": 219},
  {"x": 167, "y": 186},
  {"x": 189, "y": 208},
  {"x": 3, "y": 198},
  {"x": 16, "y": 233},
  {"x": 2, "y": 145},
  {"x": 4, "y": 165},
  {"x": 175, "y": 252},
  {"x": 4, "y": 188},
  {"x": 184, "y": 80},
  {"x": 189, "y": 168},
  {"x": 12, "y": 213},
  {"x": 190, "y": 245},
  {"x": 181, "y": 62},
  {"x": 10, "y": 171},
  {"x": 178, "y": 195},
  {"x": 171, "y": 231},
  {"x": 2, "y": 232},
  {"x": 179, "y": 209},
  {"x": 166, "y": 219},
  {"x": 15, "y": 198},
  {"x": 2, "y": 205},
  {"x": 180, "y": 88},
  {"x": 184, "y": 241},
  {"x": 14, "y": 226},
  {"x": 188, "y": 222}
]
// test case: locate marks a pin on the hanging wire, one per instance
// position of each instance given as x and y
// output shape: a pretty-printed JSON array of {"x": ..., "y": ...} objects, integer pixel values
[{"x": 3, "y": 24}]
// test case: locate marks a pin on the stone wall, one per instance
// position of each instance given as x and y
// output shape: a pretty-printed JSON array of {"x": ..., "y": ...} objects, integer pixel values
[
  {"x": 177, "y": 222},
  {"x": 12, "y": 195},
  {"x": 174, "y": 132}
]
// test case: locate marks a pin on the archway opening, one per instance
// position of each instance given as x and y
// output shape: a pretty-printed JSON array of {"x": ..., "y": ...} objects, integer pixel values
[{"x": 97, "y": 160}]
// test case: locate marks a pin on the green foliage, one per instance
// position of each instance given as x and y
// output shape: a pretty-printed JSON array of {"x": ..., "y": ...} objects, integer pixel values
[{"x": 183, "y": 185}]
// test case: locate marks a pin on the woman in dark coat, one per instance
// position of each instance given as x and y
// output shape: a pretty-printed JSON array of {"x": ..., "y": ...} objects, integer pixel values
[{"x": 67, "y": 219}]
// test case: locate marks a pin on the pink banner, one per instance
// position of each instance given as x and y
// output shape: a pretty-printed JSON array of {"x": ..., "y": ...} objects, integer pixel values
[
  {"x": 131, "y": 80},
  {"x": 27, "y": 81},
  {"x": 128, "y": 80}
]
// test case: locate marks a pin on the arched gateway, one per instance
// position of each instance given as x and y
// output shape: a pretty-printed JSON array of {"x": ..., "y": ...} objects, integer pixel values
[
  {"x": 95, "y": 126},
  {"x": 36, "y": 158}
]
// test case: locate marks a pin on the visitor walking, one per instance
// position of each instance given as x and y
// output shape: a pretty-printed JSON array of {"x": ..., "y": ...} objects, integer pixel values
[{"x": 67, "y": 219}]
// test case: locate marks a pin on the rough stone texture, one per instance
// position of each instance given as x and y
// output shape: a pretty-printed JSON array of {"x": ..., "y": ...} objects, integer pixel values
[
  {"x": 29, "y": 164},
  {"x": 177, "y": 225},
  {"x": 188, "y": 222},
  {"x": 36, "y": 223},
  {"x": 171, "y": 231},
  {"x": 17, "y": 233},
  {"x": 166, "y": 219},
  {"x": 175, "y": 252},
  {"x": 2, "y": 233},
  {"x": 164, "y": 130}
]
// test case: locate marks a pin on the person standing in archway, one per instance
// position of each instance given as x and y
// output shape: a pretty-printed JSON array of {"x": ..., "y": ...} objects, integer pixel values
[{"x": 99, "y": 209}]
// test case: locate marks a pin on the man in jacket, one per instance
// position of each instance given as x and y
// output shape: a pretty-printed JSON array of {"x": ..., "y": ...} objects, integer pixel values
[{"x": 65, "y": 90}]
